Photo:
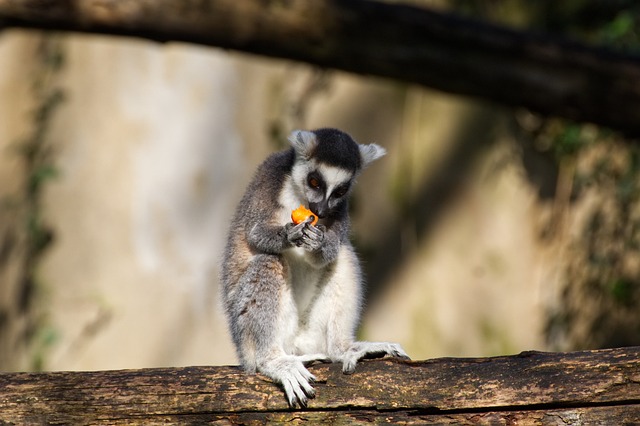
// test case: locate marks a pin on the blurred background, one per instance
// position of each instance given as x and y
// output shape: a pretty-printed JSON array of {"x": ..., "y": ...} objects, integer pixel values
[{"x": 486, "y": 230}]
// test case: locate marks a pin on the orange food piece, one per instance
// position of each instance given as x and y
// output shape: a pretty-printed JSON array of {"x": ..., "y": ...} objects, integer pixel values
[{"x": 301, "y": 214}]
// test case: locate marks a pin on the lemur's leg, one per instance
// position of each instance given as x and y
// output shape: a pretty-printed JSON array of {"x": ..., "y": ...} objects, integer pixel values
[
  {"x": 266, "y": 320},
  {"x": 343, "y": 301}
]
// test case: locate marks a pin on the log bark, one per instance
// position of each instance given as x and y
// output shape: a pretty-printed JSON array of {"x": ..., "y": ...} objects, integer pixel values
[
  {"x": 530, "y": 388},
  {"x": 547, "y": 75}
]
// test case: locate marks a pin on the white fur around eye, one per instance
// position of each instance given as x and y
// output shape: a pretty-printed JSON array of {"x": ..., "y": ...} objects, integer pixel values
[{"x": 334, "y": 176}]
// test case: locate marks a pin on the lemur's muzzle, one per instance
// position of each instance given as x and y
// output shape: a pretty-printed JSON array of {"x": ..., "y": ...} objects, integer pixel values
[{"x": 320, "y": 209}]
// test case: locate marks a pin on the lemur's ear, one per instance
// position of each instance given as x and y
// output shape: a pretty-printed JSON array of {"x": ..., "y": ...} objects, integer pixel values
[
  {"x": 303, "y": 142},
  {"x": 370, "y": 153}
]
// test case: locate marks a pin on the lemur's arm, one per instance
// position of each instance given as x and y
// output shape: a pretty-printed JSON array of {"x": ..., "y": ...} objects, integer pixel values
[{"x": 274, "y": 239}]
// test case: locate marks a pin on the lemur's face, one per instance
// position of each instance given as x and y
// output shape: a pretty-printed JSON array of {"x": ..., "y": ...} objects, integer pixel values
[
  {"x": 326, "y": 164},
  {"x": 323, "y": 186},
  {"x": 327, "y": 187}
]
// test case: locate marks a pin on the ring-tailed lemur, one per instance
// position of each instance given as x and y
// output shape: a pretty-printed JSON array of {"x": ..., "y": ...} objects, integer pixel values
[{"x": 292, "y": 293}]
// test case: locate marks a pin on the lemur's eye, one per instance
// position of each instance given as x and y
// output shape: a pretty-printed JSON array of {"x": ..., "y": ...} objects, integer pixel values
[
  {"x": 314, "y": 182},
  {"x": 340, "y": 191}
]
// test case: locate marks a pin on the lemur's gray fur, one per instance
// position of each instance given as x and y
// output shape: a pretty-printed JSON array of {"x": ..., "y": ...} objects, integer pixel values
[{"x": 292, "y": 293}]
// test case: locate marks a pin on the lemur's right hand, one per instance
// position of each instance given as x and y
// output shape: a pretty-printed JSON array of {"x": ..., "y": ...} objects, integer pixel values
[{"x": 305, "y": 235}]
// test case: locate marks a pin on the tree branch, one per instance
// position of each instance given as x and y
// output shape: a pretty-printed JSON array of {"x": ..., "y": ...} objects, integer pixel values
[
  {"x": 546, "y": 75},
  {"x": 534, "y": 387}
]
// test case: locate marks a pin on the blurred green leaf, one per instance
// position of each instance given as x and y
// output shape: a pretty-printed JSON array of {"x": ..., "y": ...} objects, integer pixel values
[
  {"x": 569, "y": 141},
  {"x": 622, "y": 290},
  {"x": 619, "y": 27}
]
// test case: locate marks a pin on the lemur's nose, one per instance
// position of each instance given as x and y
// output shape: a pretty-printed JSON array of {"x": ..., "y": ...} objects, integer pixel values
[{"x": 320, "y": 209}]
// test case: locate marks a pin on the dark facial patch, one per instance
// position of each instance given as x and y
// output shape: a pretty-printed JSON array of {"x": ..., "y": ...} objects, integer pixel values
[
  {"x": 336, "y": 148},
  {"x": 315, "y": 181},
  {"x": 340, "y": 191}
]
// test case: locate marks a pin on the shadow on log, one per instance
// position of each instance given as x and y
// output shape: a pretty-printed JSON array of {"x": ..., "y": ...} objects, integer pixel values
[{"x": 531, "y": 388}]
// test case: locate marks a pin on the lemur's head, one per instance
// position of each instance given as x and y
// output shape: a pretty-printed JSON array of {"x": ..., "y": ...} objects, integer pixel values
[{"x": 327, "y": 162}]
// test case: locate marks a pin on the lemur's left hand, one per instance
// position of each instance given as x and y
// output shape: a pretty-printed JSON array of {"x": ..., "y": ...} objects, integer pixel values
[
  {"x": 312, "y": 236},
  {"x": 306, "y": 235}
]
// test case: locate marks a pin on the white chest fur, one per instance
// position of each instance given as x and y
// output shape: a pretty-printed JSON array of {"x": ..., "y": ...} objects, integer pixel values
[{"x": 304, "y": 278}]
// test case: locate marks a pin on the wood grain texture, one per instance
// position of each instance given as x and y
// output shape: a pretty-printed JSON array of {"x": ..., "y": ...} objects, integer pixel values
[
  {"x": 412, "y": 44},
  {"x": 530, "y": 388}
]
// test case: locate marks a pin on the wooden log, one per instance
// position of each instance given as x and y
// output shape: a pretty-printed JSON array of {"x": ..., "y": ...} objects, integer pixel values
[
  {"x": 530, "y": 388},
  {"x": 542, "y": 73}
]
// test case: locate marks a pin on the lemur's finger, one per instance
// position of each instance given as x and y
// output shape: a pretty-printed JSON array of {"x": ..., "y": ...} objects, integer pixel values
[
  {"x": 313, "y": 231},
  {"x": 288, "y": 390},
  {"x": 304, "y": 384},
  {"x": 301, "y": 397},
  {"x": 398, "y": 352},
  {"x": 349, "y": 364},
  {"x": 312, "y": 238},
  {"x": 295, "y": 232}
]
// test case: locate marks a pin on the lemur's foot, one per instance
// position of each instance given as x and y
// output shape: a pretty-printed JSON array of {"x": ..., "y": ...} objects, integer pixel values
[
  {"x": 291, "y": 373},
  {"x": 362, "y": 350}
]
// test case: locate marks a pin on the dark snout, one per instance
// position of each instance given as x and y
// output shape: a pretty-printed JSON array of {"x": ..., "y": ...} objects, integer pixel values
[{"x": 321, "y": 209}]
